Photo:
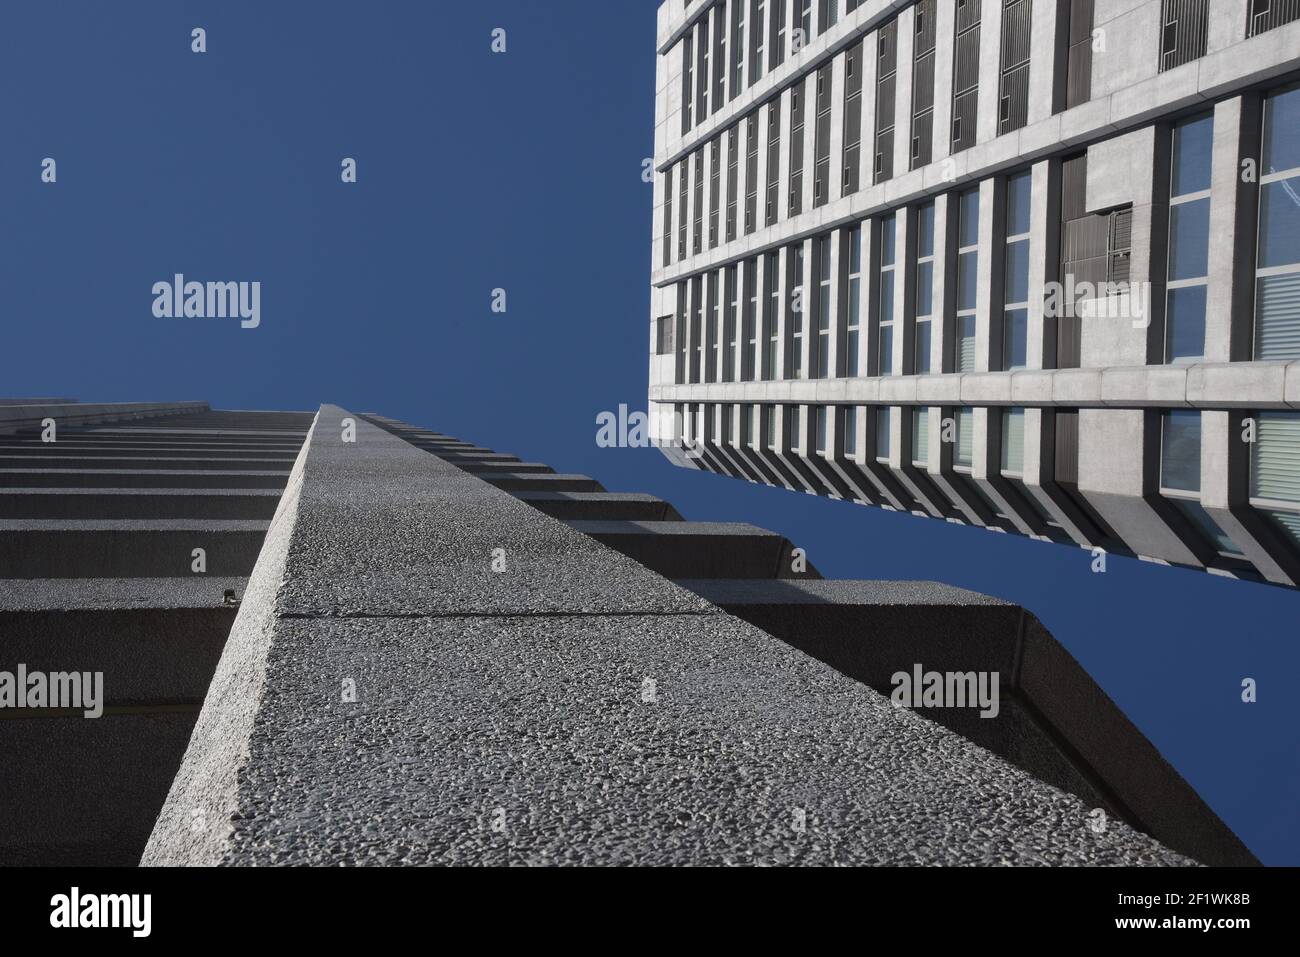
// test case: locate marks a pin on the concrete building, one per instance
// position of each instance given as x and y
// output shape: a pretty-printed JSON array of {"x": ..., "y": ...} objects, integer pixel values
[
  {"x": 402, "y": 648},
  {"x": 954, "y": 258}
]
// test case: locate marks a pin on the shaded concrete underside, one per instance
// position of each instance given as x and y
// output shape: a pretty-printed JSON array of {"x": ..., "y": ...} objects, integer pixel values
[{"x": 97, "y": 575}]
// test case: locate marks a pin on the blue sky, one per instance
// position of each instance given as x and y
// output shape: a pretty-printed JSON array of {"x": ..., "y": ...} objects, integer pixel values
[{"x": 478, "y": 171}]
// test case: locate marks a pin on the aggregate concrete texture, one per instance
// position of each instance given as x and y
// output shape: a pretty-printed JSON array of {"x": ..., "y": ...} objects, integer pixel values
[{"x": 578, "y": 709}]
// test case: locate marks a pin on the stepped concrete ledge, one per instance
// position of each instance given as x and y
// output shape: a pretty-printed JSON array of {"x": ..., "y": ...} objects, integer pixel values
[
  {"x": 575, "y": 708},
  {"x": 14, "y": 418}
]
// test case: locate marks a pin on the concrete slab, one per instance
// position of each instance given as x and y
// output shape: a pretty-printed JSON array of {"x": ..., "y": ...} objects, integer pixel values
[
  {"x": 139, "y": 478},
  {"x": 601, "y": 506},
  {"x": 116, "y": 503}
]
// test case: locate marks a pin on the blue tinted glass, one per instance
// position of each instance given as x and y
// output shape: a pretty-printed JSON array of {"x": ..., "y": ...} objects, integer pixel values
[
  {"x": 1192, "y": 141},
  {"x": 886, "y": 350},
  {"x": 1186, "y": 323},
  {"x": 1189, "y": 239},
  {"x": 924, "y": 288},
  {"x": 1282, "y": 131},
  {"x": 1180, "y": 451},
  {"x": 887, "y": 233},
  {"x": 925, "y": 230},
  {"x": 1018, "y": 193},
  {"x": 1279, "y": 223},
  {"x": 1015, "y": 338},
  {"x": 967, "y": 264},
  {"x": 1017, "y": 272},
  {"x": 968, "y": 214},
  {"x": 922, "y": 362},
  {"x": 887, "y": 297}
]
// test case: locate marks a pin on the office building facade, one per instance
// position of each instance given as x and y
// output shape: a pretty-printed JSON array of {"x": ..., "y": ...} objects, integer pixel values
[{"x": 1030, "y": 265}]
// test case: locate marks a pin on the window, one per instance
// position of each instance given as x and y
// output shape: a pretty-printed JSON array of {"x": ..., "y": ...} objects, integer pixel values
[
  {"x": 924, "y": 287},
  {"x": 730, "y": 327},
  {"x": 821, "y": 361},
  {"x": 804, "y": 23},
  {"x": 748, "y": 424},
  {"x": 750, "y": 336},
  {"x": 664, "y": 335},
  {"x": 828, "y": 14},
  {"x": 697, "y": 328},
  {"x": 771, "y": 271},
  {"x": 751, "y": 172},
  {"x": 1189, "y": 239},
  {"x": 852, "y": 118},
  {"x": 886, "y": 77},
  {"x": 682, "y": 343},
  {"x": 794, "y": 421},
  {"x": 850, "y": 430},
  {"x": 1275, "y": 471},
  {"x": 1078, "y": 69},
  {"x": 769, "y": 427},
  {"x": 719, "y": 99},
  {"x": 966, "y": 74},
  {"x": 683, "y": 185},
  {"x": 884, "y": 438},
  {"x": 737, "y": 47},
  {"x": 1182, "y": 38},
  {"x": 923, "y": 21},
  {"x": 1013, "y": 443},
  {"x": 964, "y": 454},
  {"x": 921, "y": 436},
  {"x": 888, "y": 235},
  {"x": 697, "y": 241},
  {"x": 821, "y": 423},
  {"x": 822, "y": 139},
  {"x": 702, "y": 71},
  {"x": 968, "y": 229},
  {"x": 1180, "y": 475},
  {"x": 733, "y": 181},
  {"x": 1267, "y": 14},
  {"x": 1013, "y": 90},
  {"x": 688, "y": 73},
  {"x": 1277, "y": 275},
  {"x": 757, "y": 13},
  {"x": 1015, "y": 316},
  {"x": 772, "y": 210},
  {"x": 795, "y": 311},
  {"x": 776, "y": 55},
  {"x": 715, "y": 188},
  {"x": 715, "y": 310},
  {"x": 796, "y": 148},
  {"x": 854, "y": 303},
  {"x": 668, "y": 216}
]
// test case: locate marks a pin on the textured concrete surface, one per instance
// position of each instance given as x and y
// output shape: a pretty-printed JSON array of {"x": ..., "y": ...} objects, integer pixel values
[{"x": 490, "y": 728}]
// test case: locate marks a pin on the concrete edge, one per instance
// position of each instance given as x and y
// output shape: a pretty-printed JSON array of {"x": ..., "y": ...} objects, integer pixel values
[{"x": 195, "y": 824}]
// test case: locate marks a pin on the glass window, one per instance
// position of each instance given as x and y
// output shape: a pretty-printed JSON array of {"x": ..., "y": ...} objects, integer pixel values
[
  {"x": 921, "y": 436},
  {"x": 1186, "y": 324},
  {"x": 1013, "y": 441},
  {"x": 1180, "y": 451},
  {"x": 823, "y": 430},
  {"x": 855, "y": 301},
  {"x": 851, "y": 430},
  {"x": 888, "y": 271},
  {"x": 1019, "y": 188},
  {"x": 883, "y": 435},
  {"x": 1189, "y": 240},
  {"x": 967, "y": 278},
  {"x": 1282, "y": 131},
  {"x": 965, "y": 452},
  {"x": 795, "y": 420},
  {"x": 1193, "y": 141}
]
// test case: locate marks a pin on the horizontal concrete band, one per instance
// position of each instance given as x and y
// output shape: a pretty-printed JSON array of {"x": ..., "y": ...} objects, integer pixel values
[
  {"x": 1225, "y": 385},
  {"x": 1056, "y": 721},
  {"x": 142, "y": 478},
  {"x": 564, "y": 706},
  {"x": 18, "y": 417}
]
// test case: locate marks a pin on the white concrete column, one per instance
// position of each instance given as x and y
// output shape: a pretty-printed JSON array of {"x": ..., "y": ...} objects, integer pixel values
[
  {"x": 903, "y": 91},
  {"x": 944, "y": 41},
  {"x": 986, "y": 123}
]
